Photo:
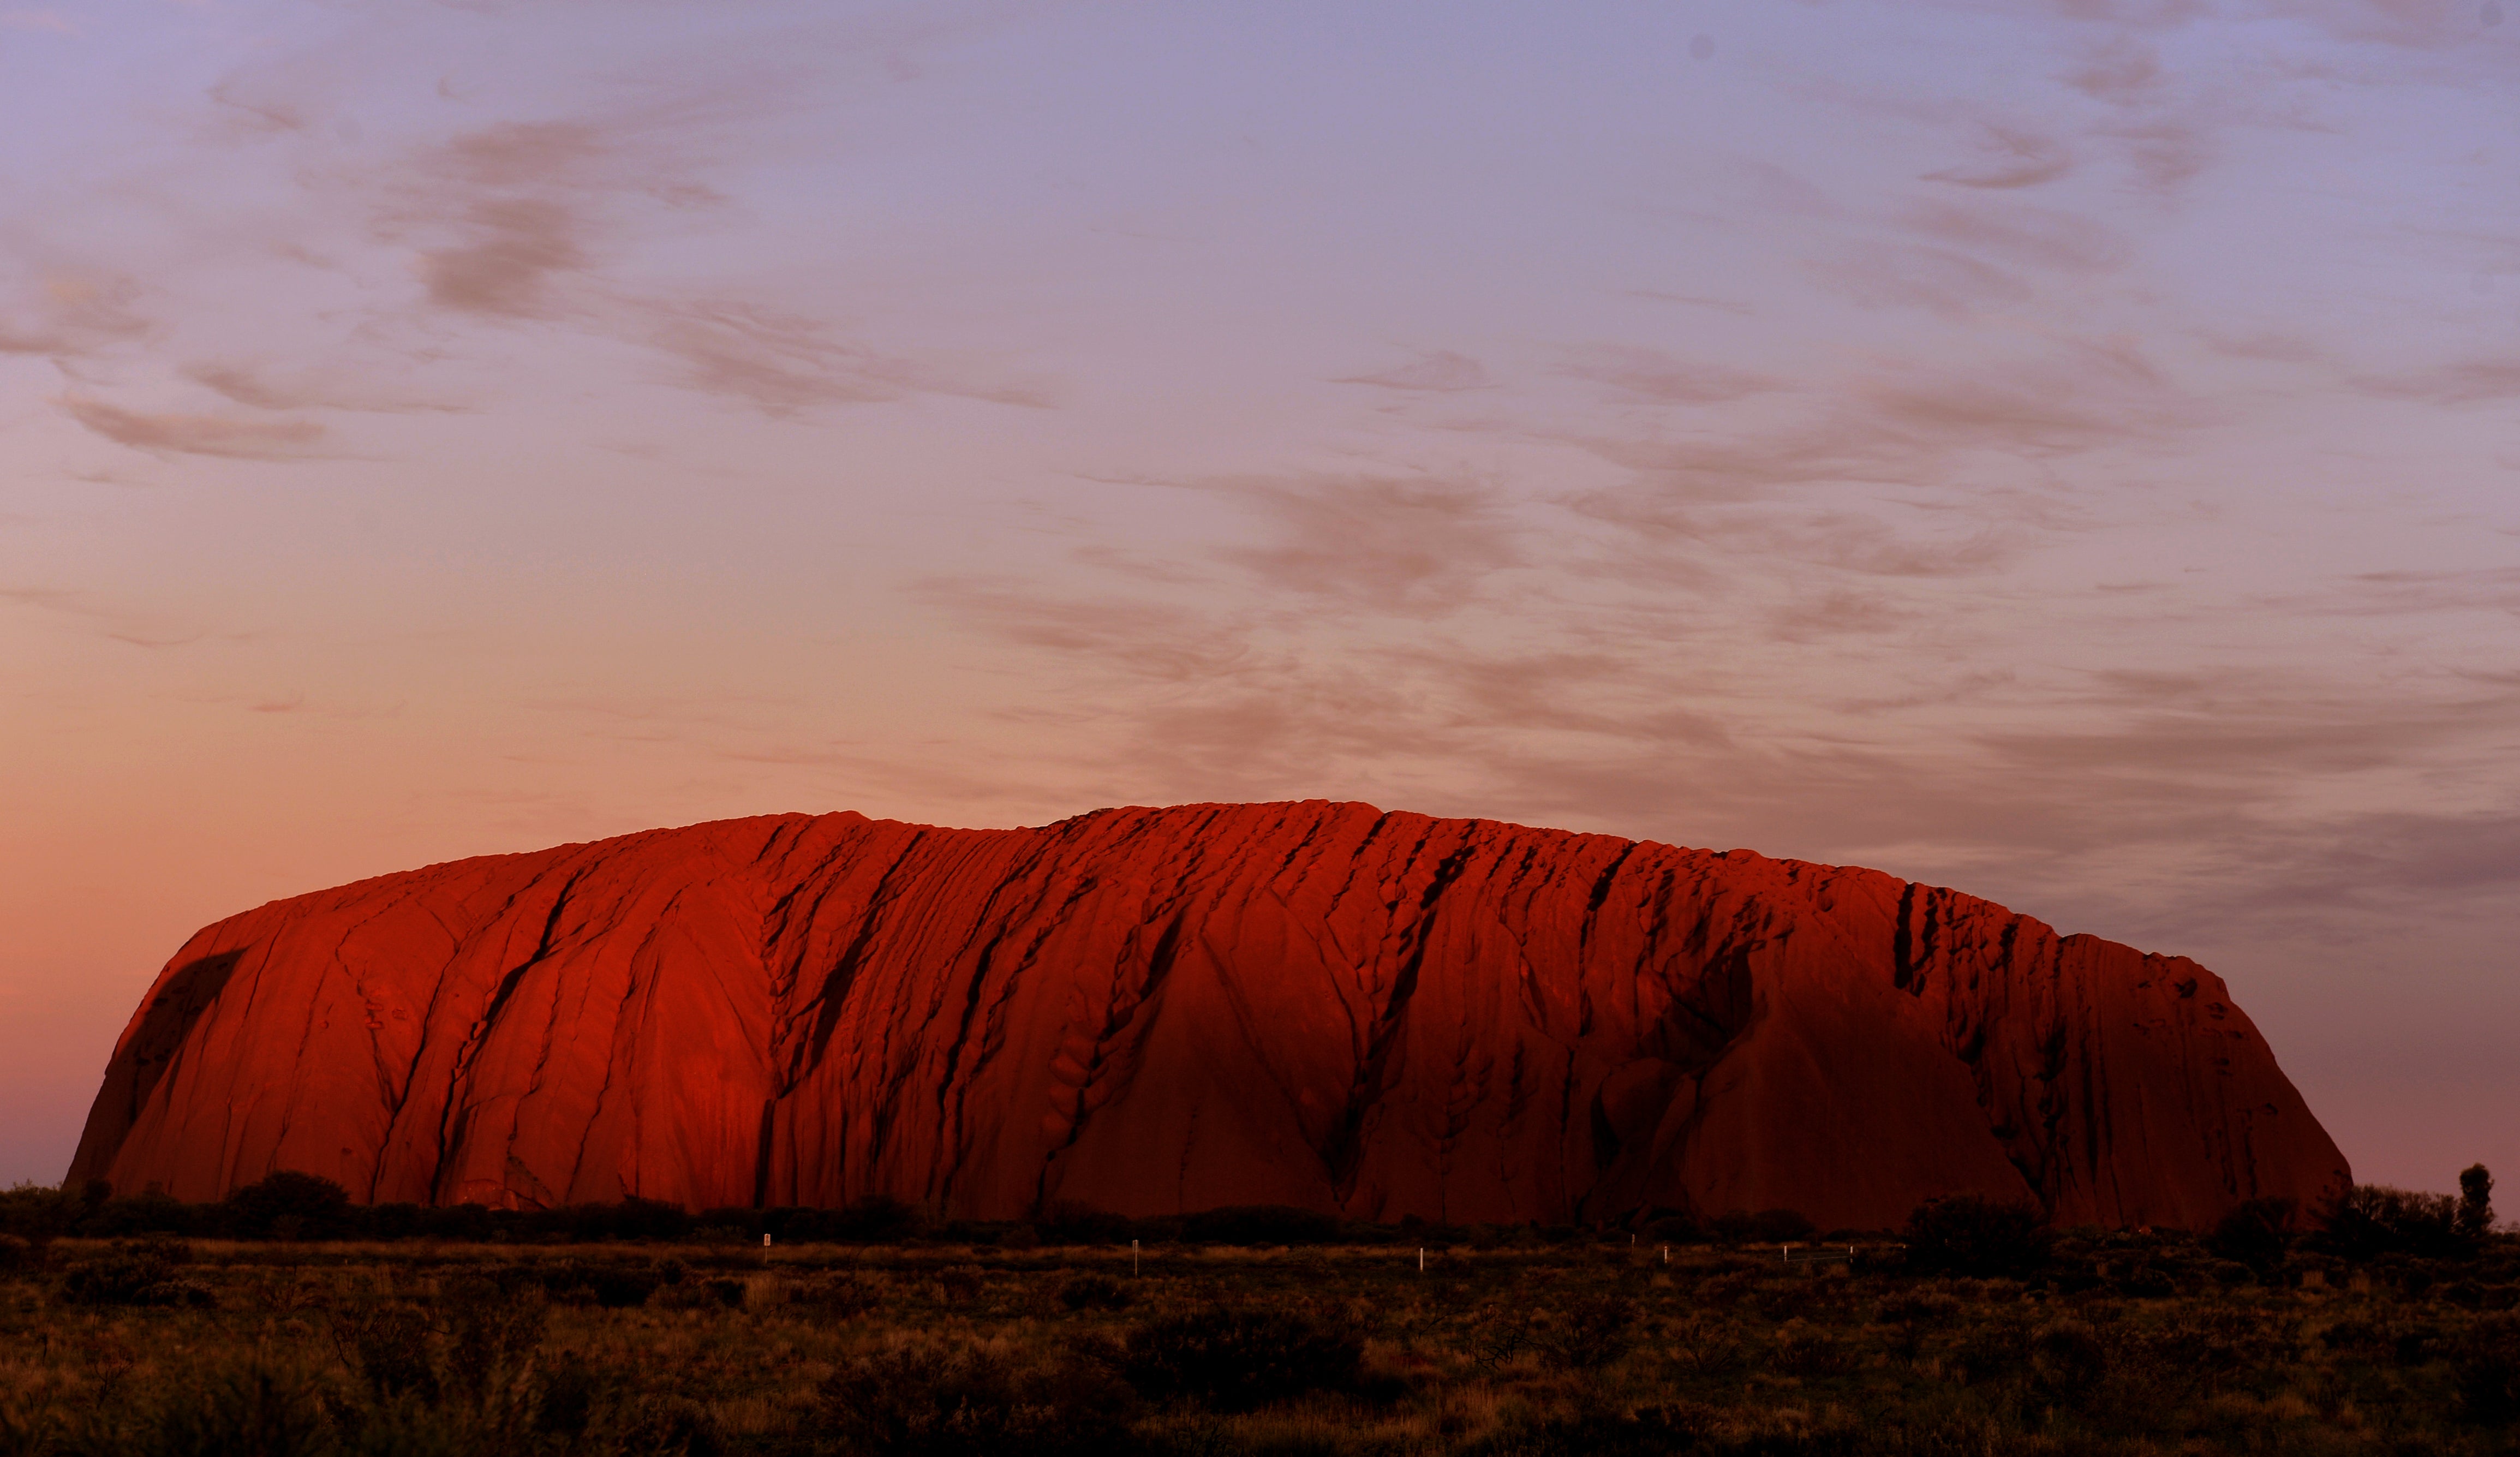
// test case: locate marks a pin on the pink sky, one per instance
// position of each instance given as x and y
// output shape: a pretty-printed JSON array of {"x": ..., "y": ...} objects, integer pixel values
[{"x": 2064, "y": 451}]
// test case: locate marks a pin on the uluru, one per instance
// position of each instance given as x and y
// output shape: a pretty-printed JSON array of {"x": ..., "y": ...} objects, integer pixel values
[{"x": 1158, "y": 1011}]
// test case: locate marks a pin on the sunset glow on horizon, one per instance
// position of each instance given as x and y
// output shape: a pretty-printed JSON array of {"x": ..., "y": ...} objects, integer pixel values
[{"x": 2060, "y": 451}]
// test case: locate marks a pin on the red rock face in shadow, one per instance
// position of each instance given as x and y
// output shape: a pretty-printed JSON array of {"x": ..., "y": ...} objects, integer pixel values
[{"x": 1164, "y": 1010}]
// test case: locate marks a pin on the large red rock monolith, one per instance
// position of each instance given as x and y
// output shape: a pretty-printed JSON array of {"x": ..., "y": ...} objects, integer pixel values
[{"x": 1166, "y": 1010}]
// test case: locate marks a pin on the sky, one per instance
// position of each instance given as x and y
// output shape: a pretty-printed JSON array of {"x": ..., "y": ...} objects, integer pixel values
[{"x": 2060, "y": 450}]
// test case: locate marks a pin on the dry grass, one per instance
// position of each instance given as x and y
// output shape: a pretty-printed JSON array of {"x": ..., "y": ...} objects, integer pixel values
[{"x": 1594, "y": 1350}]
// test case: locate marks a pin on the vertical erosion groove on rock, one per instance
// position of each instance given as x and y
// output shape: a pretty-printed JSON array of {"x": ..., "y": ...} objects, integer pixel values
[{"x": 1164, "y": 1010}]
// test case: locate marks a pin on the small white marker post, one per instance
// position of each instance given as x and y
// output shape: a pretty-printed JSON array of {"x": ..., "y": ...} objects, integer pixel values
[
  {"x": 1421, "y": 1260},
  {"x": 1666, "y": 1255},
  {"x": 1133, "y": 1258},
  {"x": 765, "y": 1250}
]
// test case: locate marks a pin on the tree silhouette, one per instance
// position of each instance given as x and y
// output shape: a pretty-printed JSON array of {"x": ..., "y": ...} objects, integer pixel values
[{"x": 2475, "y": 1200}]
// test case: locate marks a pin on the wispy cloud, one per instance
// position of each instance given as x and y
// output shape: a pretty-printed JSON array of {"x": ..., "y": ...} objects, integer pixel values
[
  {"x": 1441, "y": 372},
  {"x": 2009, "y": 158},
  {"x": 1399, "y": 544},
  {"x": 2466, "y": 381},
  {"x": 234, "y": 439},
  {"x": 262, "y": 387},
  {"x": 69, "y": 314},
  {"x": 782, "y": 362}
]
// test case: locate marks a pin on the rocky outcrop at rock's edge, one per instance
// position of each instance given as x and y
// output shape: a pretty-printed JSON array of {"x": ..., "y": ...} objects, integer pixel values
[{"x": 1164, "y": 1010}]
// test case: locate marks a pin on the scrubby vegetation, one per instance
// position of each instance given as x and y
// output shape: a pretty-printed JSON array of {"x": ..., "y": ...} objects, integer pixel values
[{"x": 285, "y": 1322}]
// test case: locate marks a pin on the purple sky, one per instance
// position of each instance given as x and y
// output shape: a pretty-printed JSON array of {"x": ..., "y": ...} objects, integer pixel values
[{"x": 2064, "y": 451}]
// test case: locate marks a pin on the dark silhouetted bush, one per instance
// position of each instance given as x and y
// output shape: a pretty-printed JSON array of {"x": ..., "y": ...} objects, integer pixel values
[
  {"x": 36, "y": 1212},
  {"x": 2067, "y": 1363},
  {"x": 389, "y": 1221},
  {"x": 493, "y": 1328},
  {"x": 566, "y": 1403},
  {"x": 2486, "y": 1366},
  {"x": 832, "y": 1297},
  {"x": 288, "y": 1206},
  {"x": 2256, "y": 1232},
  {"x": 611, "y": 1287},
  {"x": 1803, "y": 1349},
  {"x": 1593, "y": 1331},
  {"x": 925, "y": 1401},
  {"x": 468, "y": 1223},
  {"x": 1969, "y": 1233},
  {"x": 1260, "y": 1224},
  {"x": 146, "y": 1272},
  {"x": 1070, "y": 1223},
  {"x": 2371, "y": 1221},
  {"x": 1766, "y": 1227},
  {"x": 671, "y": 1426},
  {"x": 1236, "y": 1358},
  {"x": 1649, "y": 1432},
  {"x": 153, "y": 1212},
  {"x": 960, "y": 1285},
  {"x": 253, "y": 1411},
  {"x": 2475, "y": 1201},
  {"x": 1781, "y": 1226},
  {"x": 387, "y": 1346},
  {"x": 1091, "y": 1290},
  {"x": 630, "y": 1219}
]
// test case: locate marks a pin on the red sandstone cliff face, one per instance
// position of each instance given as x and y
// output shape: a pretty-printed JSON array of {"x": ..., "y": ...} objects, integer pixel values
[{"x": 1165, "y": 1010}]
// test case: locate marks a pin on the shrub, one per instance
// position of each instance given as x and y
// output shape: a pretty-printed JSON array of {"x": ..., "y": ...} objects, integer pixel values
[
  {"x": 2369, "y": 1221},
  {"x": 1986, "y": 1353},
  {"x": 960, "y": 1285},
  {"x": 1766, "y": 1227},
  {"x": 1969, "y": 1233},
  {"x": 2486, "y": 1366},
  {"x": 832, "y": 1297},
  {"x": 493, "y": 1328},
  {"x": 1911, "y": 1315},
  {"x": 631, "y": 1219},
  {"x": 1071, "y": 1223},
  {"x": 1803, "y": 1349},
  {"x": 1091, "y": 1290},
  {"x": 2067, "y": 1362},
  {"x": 253, "y": 1411},
  {"x": 1649, "y": 1432},
  {"x": 1781, "y": 1227},
  {"x": 1593, "y": 1332},
  {"x": 37, "y": 1212},
  {"x": 151, "y": 1213},
  {"x": 288, "y": 1206},
  {"x": 469, "y": 1223},
  {"x": 875, "y": 1219},
  {"x": 2255, "y": 1234},
  {"x": 1260, "y": 1224},
  {"x": 1234, "y": 1358},
  {"x": 664, "y": 1426},
  {"x": 2475, "y": 1219},
  {"x": 391, "y": 1222},
  {"x": 612, "y": 1286},
  {"x": 140, "y": 1273},
  {"x": 16, "y": 1255},
  {"x": 925, "y": 1401},
  {"x": 567, "y": 1401},
  {"x": 387, "y": 1346}
]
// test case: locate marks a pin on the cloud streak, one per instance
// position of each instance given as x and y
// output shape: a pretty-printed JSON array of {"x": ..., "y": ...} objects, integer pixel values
[{"x": 225, "y": 436}]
